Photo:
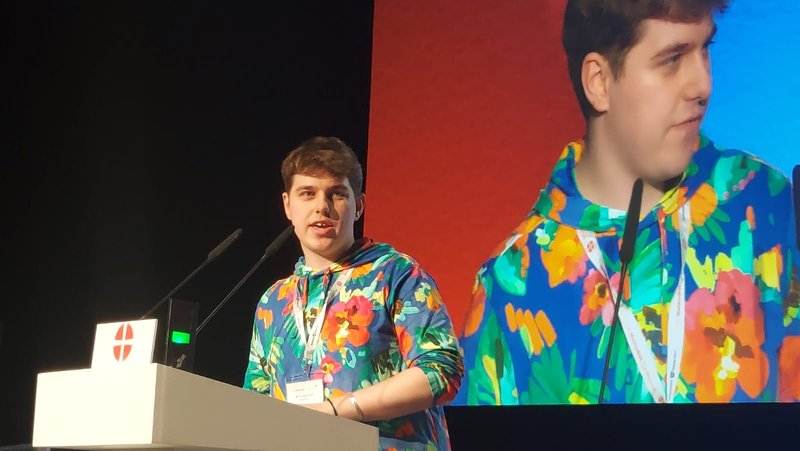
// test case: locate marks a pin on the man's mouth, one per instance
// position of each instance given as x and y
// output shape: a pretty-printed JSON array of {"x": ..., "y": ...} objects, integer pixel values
[
  {"x": 321, "y": 225},
  {"x": 694, "y": 120}
]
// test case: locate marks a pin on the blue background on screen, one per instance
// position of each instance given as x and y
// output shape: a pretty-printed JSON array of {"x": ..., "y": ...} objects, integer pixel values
[{"x": 756, "y": 70}]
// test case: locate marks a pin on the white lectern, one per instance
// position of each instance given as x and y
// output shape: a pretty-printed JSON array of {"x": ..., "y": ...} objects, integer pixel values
[{"x": 156, "y": 406}]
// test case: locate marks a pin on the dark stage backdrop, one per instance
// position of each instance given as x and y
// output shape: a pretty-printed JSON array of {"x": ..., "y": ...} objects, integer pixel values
[{"x": 137, "y": 136}]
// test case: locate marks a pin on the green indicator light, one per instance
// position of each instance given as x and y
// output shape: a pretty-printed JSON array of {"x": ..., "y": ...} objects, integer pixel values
[{"x": 181, "y": 338}]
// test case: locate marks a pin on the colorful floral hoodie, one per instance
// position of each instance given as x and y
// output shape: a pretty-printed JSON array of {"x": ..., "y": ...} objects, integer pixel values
[
  {"x": 538, "y": 326},
  {"x": 386, "y": 318}
]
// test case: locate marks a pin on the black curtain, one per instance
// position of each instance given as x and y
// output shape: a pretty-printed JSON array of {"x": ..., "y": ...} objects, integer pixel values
[{"x": 137, "y": 136}]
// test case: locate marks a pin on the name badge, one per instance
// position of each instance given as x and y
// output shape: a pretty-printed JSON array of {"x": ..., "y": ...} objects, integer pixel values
[{"x": 305, "y": 392}]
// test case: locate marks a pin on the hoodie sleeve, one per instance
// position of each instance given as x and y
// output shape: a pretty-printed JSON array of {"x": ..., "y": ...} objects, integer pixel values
[
  {"x": 789, "y": 321},
  {"x": 258, "y": 376},
  {"x": 425, "y": 334},
  {"x": 489, "y": 374},
  {"x": 774, "y": 268}
]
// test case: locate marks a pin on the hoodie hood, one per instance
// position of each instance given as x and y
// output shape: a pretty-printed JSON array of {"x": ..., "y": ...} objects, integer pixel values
[
  {"x": 363, "y": 251},
  {"x": 560, "y": 200}
]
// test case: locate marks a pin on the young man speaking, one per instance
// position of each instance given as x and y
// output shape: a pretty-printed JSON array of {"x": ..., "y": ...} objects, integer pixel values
[
  {"x": 359, "y": 330},
  {"x": 709, "y": 308}
]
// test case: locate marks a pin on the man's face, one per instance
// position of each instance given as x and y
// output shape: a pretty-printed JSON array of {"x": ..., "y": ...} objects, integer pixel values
[
  {"x": 322, "y": 210},
  {"x": 658, "y": 101}
]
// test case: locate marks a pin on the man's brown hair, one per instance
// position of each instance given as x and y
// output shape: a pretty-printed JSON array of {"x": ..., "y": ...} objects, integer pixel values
[
  {"x": 323, "y": 155},
  {"x": 612, "y": 27}
]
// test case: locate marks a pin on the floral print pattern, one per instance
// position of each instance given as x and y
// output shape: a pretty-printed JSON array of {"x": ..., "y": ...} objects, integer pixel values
[
  {"x": 742, "y": 322},
  {"x": 387, "y": 317}
]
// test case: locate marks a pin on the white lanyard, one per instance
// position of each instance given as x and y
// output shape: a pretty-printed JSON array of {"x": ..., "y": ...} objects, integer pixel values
[
  {"x": 311, "y": 340},
  {"x": 642, "y": 353}
]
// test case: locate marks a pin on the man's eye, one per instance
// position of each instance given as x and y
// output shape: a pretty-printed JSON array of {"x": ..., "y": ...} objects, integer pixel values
[{"x": 672, "y": 59}]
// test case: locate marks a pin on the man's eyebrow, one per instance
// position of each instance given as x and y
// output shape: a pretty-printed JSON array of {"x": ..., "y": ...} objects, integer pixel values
[
  {"x": 671, "y": 50},
  {"x": 683, "y": 46},
  {"x": 340, "y": 186}
]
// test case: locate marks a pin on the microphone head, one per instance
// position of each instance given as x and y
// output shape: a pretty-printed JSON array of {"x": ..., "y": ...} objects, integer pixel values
[
  {"x": 632, "y": 223},
  {"x": 279, "y": 240},
  {"x": 223, "y": 246}
]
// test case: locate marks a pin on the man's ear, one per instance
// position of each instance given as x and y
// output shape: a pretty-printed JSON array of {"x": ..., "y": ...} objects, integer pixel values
[
  {"x": 286, "y": 211},
  {"x": 596, "y": 76},
  {"x": 360, "y": 205}
]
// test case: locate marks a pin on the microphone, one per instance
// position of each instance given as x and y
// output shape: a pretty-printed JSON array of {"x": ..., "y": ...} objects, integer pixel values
[
  {"x": 216, "y": 252},
  {"x": 796, "y": 186},
  {"x": 223, "y": 246},
  {"x": 274, "y": 246},
  {"x": 625, "y": 257}
]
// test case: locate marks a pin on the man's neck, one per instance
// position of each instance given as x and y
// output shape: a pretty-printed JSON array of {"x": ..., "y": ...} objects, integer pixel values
[
  {"x": 605, "y": 180},
  {"x": 319, "y": 262}
]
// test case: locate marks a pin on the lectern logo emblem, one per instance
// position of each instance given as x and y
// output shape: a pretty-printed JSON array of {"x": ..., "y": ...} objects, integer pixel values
[{"x": 123, "y": 342}]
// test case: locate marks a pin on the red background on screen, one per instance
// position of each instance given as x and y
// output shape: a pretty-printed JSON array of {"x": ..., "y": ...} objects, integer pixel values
[{"x": 470, "y": 107}]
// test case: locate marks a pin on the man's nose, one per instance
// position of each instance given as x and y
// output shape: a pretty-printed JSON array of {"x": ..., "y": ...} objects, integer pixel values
[
  {"x": 323, "y": 205},
  {"x": 698, "y": 85}
]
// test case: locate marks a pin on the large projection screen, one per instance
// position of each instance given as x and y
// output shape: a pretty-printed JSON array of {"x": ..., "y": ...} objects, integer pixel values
[{"x": 471, "y": 106}]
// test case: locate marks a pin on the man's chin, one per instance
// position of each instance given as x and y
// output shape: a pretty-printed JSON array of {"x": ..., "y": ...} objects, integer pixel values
[
  {"x": 675, "y": 166},
  {"x": 330, "y": 250}
]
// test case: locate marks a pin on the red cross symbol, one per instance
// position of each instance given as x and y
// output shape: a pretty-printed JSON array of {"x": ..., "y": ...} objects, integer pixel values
[{"x": 123, "y": 342}]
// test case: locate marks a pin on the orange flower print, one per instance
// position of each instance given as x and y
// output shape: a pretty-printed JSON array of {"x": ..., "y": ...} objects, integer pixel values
[
  {"x": 789, "y": 364},
  {"x": 265, "y": 316},
  {"x": 751, "y": 217},
  {"x": 724, "y": 334},
  {"x": 536, "y": 330},
  {"x": 286, "y": 294},
  {"x": 404, "y": 340},
  {"x": 348, "y": 321},
  {"x": 702, "y": 205},
  {"x": 361, "y": 271},
  {"x": 432, "y": 298},
  {"x": 529, "y": 225},
  {"x": 559, "y": 200},
  {"x": 597, "y": 299},
  {"x": 476, "y": 308},
  {"x": 287, "y": 291},
  {"x": 327, "y": 368},
  {"x": 566, "y": 259}
]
